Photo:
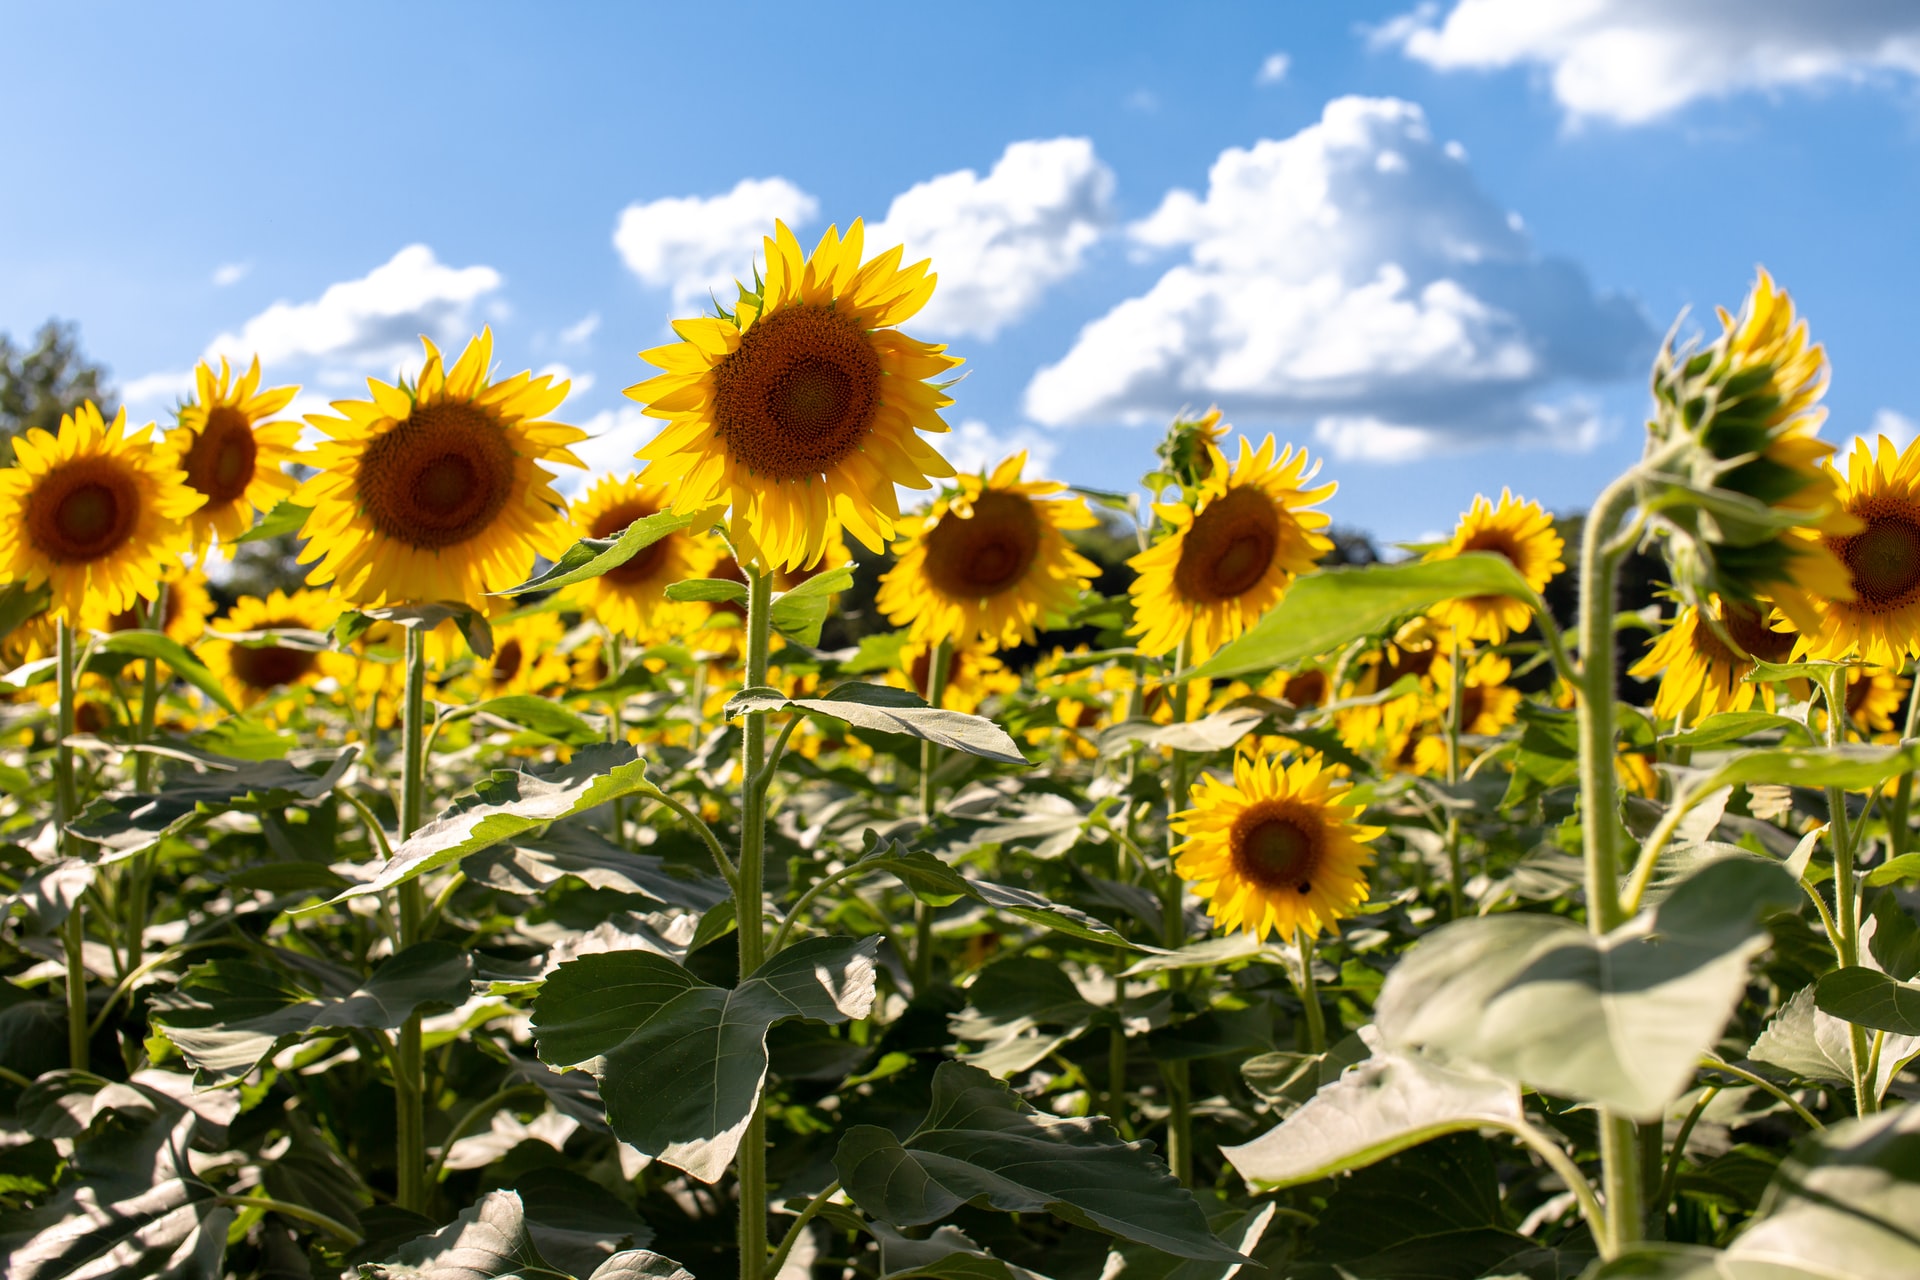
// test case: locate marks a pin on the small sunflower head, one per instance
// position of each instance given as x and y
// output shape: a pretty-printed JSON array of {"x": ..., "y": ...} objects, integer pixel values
[{"x": 1189, "y": 450}]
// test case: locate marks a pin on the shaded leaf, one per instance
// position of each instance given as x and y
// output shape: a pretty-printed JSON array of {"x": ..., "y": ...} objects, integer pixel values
[
  {"x": 128, "y": 824},
  {"x": 1869, "y": 998},
  {"x": 889, "y": 710},
  {"x": 285, "y": 518},
  {"x": 934, "y": 882},
  {"x": 541, "y": 715},
  {"x": 174, "y": 1230},
  {"x": 353, "y": 624},
  {"x": 164, "y": 648},
  {"x": 591, "y": 557},
  {"x": 1731, "y": 726},
  {"x": 529, "y": 864},
  {"x": 708, "y": 591},
  {"x": 1845, "y": 1203},
  {"x": 488, "y": 1241}
]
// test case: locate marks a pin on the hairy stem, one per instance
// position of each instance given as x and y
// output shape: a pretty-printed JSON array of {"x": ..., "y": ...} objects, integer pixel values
[
  {"x": 750, "y": 1164},
  {"x": 938, "y": 664},
  {"x": 66, "y": 804},
  {"x": 1846, "y": 891},
  {"x": 1456, "y": 714},
  {"x": 409, "y": 1062}
]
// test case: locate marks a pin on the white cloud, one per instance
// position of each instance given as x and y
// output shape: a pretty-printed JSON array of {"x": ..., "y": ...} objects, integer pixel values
[
  {"x": 1355, "y": 275},
  {"x": 1632, "y": 61},
  {"x": 697, "y": 246},
  {"x": 581, "y": 382},
  {"x": 230, "y": 273},
  {"x": 1001, "y": 241},
  {"x": 147, "y": 396},
  {"x": 973, "y": 445},
  {"x": 1897, "y": 427},
  {"x": 1274, "y": 69},
  {"x": 577, "y": 333},
  {"x": 368, "y": 325},
  {"x": 613, "y": 437}
]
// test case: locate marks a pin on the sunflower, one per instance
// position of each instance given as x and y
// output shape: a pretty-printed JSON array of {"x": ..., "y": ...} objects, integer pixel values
[
  {"x": 1877, "y": 614},
  {"x": 231, "y": 453},
  {"x": 990, "y": 561},
  {"x": 974, "y": 674},
  {"x": 1276, "y": 850},
  {"x": 799, "y": 411},
  {"x": 1874, "y": 697},
  {"x": 1229, "y": 556},
  {"x": 1487, "y": 705},
  {"x": 1699, "y": 674},
  {"x": 631, "y": 600},
  {"x": 1521, "y": 532},
  {"x": 527, "y": 657},
  {"x": 252, "y": 673},
  {"x": 183, "y": 616},
  {"x": 96, "y": 512},
  {"x": 1414, "y": 651},
  {"x": 436, "y": 491}
]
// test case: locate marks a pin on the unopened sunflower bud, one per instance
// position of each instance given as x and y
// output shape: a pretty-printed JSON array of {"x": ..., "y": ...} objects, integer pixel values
[{"x": 1188, "y": 449}]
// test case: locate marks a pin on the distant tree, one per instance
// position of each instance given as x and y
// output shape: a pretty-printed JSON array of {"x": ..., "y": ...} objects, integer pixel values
[{"x": 50, "y": 378}]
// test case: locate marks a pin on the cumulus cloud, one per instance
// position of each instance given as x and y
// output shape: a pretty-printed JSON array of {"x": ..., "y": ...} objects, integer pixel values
[
  {"x": 613, "y": 437},
  {"x": 1001, "y": 241},
  {"x": 698, "y": 246},
  {"x": 230, "y": 273},
  {"x": 1632, "y": 61},
  {"x": 1355, "y": 276},
  {"x": 1895, "y": 426},
  {"x": 973, "y": 445},
  {"x": 1273, "y": 69},
  {"x": 577, "y": 333}
]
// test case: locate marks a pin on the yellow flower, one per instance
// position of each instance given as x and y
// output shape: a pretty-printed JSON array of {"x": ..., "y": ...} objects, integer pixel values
[
  {"x": 799, "y": 411},
  {"x": 1521, "y": 532},
  {"x": 990, "y": 562},
  {"x": 436, "y": 491},
  {"x": 1699, "y": 675},
  {"x": 1874, "y": 697},
  {"x": 252, "y": 673},
  {"x": 1275, "y": 850},
  {"x": 1876, "y": 614},
  {"x": 1229, "y": 557},
  {"x": 973, "y": 675},
  {"x": 231, "y": 453},
  {"x": 1487, "y": 705},
  {"x": 182, "y": 618},
  {"x": 96, "y": 512},
  {"x": 631, "y": 600},
  {"x": 526, "y": 657}
]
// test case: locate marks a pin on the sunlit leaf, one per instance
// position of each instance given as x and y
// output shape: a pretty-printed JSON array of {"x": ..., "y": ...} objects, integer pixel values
[
  {"x": 591, "y": 557},
  {"x": 890, "y": 710}
]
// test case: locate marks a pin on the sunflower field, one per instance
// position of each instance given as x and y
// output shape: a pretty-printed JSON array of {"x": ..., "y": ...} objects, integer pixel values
[{"x": 731, "y": 872}]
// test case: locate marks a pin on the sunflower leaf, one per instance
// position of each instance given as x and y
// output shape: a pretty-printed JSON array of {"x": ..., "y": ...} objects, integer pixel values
[
  {"x": 540, "y": 715},
  {"x": 708, "y": 591},
  {"x": 800, "y": 613},
  {"x": 937, "y": 884},
  {"x": 1871, "y": 999},
  {"x": 1323, "y": 611},
  {"x": 164, "y": 648},
  {"x": 886, "y": 709},
  {"x": 591, "y": 557},
  {"x": 414, "y": 617},
  {"x": 285, "y": 518}
]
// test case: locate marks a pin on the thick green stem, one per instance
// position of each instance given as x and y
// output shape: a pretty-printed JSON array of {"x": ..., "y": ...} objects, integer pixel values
[
  {"x": 939, "y": 663},
  {"x": 1846, "y": 893},
  {"x": 1310, "y": 995},
  {"x": 750, "y": 1165},
  {"x": 616, "y": 734},
  {"x": 1619, "y": 1137},
  {"x": 139, "y": 872},
  {"x": 66, "y": 803},
  {"x": 1898, "y": 833},
  {"x": 1177, "y": 1075},
  {"x": 409, "y": 1062},
  {"x": 1456, "y": 714}
]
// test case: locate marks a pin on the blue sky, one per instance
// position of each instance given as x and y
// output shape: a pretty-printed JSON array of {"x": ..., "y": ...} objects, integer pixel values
[{"x": 1434, "y": 244}]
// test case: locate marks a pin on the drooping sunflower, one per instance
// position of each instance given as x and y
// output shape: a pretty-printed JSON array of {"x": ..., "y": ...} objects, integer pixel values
[
  {"x": 1229, "y": 557},
  {"x": 631, "y": 600},
  {"x": 799, "y": 412},
  {"x": 437, "y": 491},
  {"x": 1275, "y": 850},
  {"x": 251, "y": 673},
  {"x": 182, "y": 617},
  {"x": 96, "y": 512},
  {"x": 990, "y": 561},
  {"x": 231, "y": 452},
  {"x": 1877, "y": 615},
  {"x": 1524, "y": 534},
  {"x": 1699, "y": 674}
]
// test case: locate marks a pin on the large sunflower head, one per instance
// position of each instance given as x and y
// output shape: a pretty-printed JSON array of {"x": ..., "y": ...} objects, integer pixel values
[
  {"x": 1228, "y": 557},
  {"x": 437, "y": 491},
  {"x": 1874, "y": 611},
  {"x": 1276, "y": 850},
  {"x": 231, "y": 452},
  {"x": 1700, "y": 673},
  {"x": 799, "y": 412},
  {"x": 251, "y": 673},
  {"x": 96, "y": 512},
  {"x": 1524, "y": 534},
  {"x": 990, "y": 560},
  {"x": 631, "y": 599}
]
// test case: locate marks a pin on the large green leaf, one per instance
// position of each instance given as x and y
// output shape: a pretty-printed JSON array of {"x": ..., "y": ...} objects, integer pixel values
[
  {"x": 800, "y": 613},
  {"x": 1810, "y": 1044},
  {"x": 487, "y": 1241},
  {"x": 936, "y": 883},
  {"x": 1323, "y": 611},
  {"x": 473, "y": 624},
  {"x": 1731, "y": 726},
  {"x": 542, "y": 715},
  {"x": 1845, "y": 1203},
  {"x": 164, "y": 648},
  {"x": 889, "y": 710},
  {"x": 1871, "y": 999},
  {"x": 591, "y": 557},
  {"x": 1384, "y": 1105},
  {"x": 680, "y": 1062},
  {"x": 980, "y": 1144},
  {"x": 129, "y": 824},
  {"x": 1021, "y": 1010},
  {"x": 1620, "y": 1020},
  {"x": 1697, "y": 1262},
  {"x": 529, "y": 864},
  {"x": 508, "y": 804},
  {"x": 1854, "y": 766},
  {"x": 1243, "y": 1231},
  {"x": 174, "y": 1230},
  {"x": 229, "y": 1016},
  {"x": 945, "y": 1254}
]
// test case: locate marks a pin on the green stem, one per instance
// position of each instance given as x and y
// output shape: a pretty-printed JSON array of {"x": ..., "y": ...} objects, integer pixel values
[
  {"x": 298, "y": 1212},
  {"x": 1846, "y": 889},
  {"x": 1898, "y": 833},
  {"x": 1598, "y": 1217},
  {"x": 139, "y": 873},
  {"x": 1177, "y": 1075},
  {"x": 66, "y": 804},
  {"x": 799, "y": 909},
  {"x": 1456, "y": 714},
  {"x": 1663, "y": 1198},
  {"x": 1765, "y": 1086},
  {"x": 616, "y": 733},
  {"x": 814, "y": 1206},
  {"x": 728, "y": 872},
  {"x": 409, "y": 1063},
  {"x": 482, "y": 1111},
  {"x": 750, "y": 1164},
  {"x": 938, "y": 664},
  {"x": 1310, "y": 995},
  {"x": 1619, "y": 1138}
]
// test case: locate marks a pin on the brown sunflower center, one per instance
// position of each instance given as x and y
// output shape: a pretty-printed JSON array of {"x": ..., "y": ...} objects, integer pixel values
[
  {"x": 439, "y": 478},
  {"x": 1306, "y": 688},
  {"x": 135, "y": 618},
  {"x": 643, "y": 565},
  {"x": 799, "y": 392},
  {"x": 989, "y": 552},
  {"x": 1749, "y": 630},
  {"x": 1473, "y": 700},
  {"x": 1275, "y": 848},
  {"x": 506, "y": 661},
  {"x": 1884, "y": 559},
  {"x": 1858, "y": 688},
  {"x": 220, "y": 461},
  {"x": 1229, "y": 548},
  {"x": 83, "y": 510},
  {"x": 270, "y": 665}
]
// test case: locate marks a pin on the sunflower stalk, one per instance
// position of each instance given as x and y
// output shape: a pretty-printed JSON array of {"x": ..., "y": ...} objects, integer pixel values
[
  {"x": 1898, "y": 830},
  {"x": 750, "y": 1164},
  {"x": 1316, "y": 1017},
  {"x": 1456, "y": 714},
  {"x": 409, "y": 1062},
  {"x": 66, "y": 801},
  {"x": 939, "y": 663},
  {"x": 1844, "y": 834},
  {"x": 140, "y": 871},
  {"x": 1177, "y": 1075}
]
